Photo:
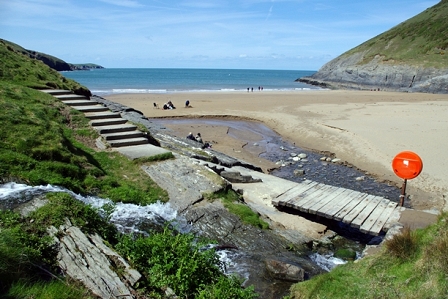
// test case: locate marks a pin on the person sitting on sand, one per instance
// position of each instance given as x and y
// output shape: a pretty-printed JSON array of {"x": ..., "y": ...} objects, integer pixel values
[
  {"x": 187, "y": 104},
  {"x": 190, "y": 136},
  {"x": 170, "y": 105},
  {"x": 199, "y": 138}
]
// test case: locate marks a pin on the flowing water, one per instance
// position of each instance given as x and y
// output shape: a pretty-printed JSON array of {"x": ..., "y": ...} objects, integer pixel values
[{"x": 129, "y": 217}]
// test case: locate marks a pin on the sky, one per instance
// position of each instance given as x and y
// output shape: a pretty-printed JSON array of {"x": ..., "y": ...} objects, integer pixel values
[{"x": 246, "y": 34}]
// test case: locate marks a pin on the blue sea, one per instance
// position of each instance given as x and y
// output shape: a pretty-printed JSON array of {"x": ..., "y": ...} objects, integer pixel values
[{"x": 160, "y": 80}]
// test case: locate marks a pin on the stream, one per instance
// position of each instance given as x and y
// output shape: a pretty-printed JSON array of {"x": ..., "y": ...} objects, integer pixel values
[{"x": 128, "y": 218}]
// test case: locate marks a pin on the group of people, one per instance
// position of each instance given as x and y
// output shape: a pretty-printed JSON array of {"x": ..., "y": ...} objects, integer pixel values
[
  {"x": 260, "y": 88},
  {"x": 168, "y": 105},
  {"x": 198, "y": 138}
]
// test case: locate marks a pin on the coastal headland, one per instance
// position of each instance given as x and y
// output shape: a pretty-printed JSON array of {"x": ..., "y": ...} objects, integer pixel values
[{"x": 364, "y": 128}]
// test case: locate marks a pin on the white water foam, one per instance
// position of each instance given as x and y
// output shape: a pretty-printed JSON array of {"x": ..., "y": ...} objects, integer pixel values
[
  {"x": 122, "y": 213},
  {"x": 327, "y": 261}
]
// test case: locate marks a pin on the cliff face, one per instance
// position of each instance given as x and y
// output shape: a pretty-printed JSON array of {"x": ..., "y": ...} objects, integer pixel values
[
  {"x": 411, "y": 56},
  {"x": 345, "y": 72}
]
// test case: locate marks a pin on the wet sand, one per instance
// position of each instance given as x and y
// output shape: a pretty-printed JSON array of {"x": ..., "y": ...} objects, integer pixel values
[{"x": 365, "y": 128}]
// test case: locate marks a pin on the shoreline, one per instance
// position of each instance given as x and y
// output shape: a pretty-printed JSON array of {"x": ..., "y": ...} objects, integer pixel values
[{"x": 364, "y": 128}]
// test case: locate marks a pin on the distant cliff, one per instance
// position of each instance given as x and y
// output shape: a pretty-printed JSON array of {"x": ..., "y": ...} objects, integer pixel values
[
  {"x": 412, "y": 57},
  {"x": 53, "y": 62}
]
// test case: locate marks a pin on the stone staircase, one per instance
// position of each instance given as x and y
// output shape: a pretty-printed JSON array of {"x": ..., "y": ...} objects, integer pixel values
[{"x": 115, "y": 130}]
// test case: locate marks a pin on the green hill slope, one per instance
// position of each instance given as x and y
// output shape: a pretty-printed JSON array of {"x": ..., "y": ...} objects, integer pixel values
[
  {"x": 421, "y": 41},
  {"x": 18, "y": 68},
  {"x": 411, "y": 57}
]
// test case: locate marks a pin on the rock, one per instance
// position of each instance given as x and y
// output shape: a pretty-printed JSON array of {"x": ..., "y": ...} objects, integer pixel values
[
  {"x": 298, "y": 172},
  {"x": 360, "y": 178},
  {"x": 85, "y": 258},
  {"x": 304, "y": 160},
  {"x": 302, "y": 156},
  {"x": 323, "y": 159},
  {"x": 350, "y": 71},
  {"x": 295, "y": 159},
  {"x": 328, "y": 159},
  {"x": 236, "y": 177},
  {"x": 336, "y": 160},
  {"x": 284, "y": 271},
  {"x": 293, "y": 154}
]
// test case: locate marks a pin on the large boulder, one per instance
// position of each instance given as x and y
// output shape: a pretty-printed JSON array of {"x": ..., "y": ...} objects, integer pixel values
[{"x": 85, "y": 258}]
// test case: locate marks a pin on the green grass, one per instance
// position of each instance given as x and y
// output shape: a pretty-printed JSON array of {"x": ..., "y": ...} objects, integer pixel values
[
  {"x": 18, "y": 68},
  {"x": 48, "y": 143},
  {"x": 232, "y": 202},
  {"x": 411, "y": 265},
  {"x": 420, "y": 41}
]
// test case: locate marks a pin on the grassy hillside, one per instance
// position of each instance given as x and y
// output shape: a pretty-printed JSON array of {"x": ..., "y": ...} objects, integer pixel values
[
  {"x": 43, "y": 141},
  {"x": 17, "y": 68},
  {"x": 412, "y": 265},
  {"x": 420, "y": 41}
]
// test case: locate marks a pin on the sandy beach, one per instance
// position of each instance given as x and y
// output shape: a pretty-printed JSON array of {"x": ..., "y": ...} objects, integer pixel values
[{"x": 365, "y": 128}]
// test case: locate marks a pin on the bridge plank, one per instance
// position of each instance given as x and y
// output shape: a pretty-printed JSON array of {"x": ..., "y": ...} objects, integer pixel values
[
  {"x": 329, "y": 211},
  {"x": 315, "y": 197},
  {"x": 395, "y": 217},
  {"x": 380, "y": 216},
  {"x": 332, "y": 193},
  {"x": 358, "y": 209},
  {"x": 299, "y": 195},
  {"x": 365, "y": 213},
  {"x": 288, "y": 194},
  {"x": 303, "y": 197},
  {"x": 346, "y": 205}
]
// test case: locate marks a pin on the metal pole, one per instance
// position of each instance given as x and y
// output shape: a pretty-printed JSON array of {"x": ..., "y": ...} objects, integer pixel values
[{"x": 403, "y": 193}]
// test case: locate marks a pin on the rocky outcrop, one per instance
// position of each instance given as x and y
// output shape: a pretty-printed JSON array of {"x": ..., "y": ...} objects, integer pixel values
[
  {"x": 87, "y": 259},
  {"x": 347, "y": 72}
]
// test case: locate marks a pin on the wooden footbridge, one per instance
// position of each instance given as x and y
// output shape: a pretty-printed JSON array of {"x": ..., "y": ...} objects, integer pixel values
[{"x": 368, "y": 213}]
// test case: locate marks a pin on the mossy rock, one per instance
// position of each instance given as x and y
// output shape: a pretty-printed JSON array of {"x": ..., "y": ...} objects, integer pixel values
[{"x": 345, "y": 254}]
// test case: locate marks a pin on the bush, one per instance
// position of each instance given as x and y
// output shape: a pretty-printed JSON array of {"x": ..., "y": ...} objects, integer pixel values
[
  {"x": 167, "y": 259},
  {"x": 402, "y": 245},
  {"x": 227, "y": 288}
]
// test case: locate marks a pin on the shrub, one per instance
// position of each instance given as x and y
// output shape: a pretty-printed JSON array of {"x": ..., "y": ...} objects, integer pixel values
[
  {"x": 402, "y": 245},
  {"x": 167, "y": 259}
]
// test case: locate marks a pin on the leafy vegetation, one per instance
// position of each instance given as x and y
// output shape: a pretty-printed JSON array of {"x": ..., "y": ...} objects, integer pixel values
[
  {"x": 179, "y": 261},
  {"x": 420, "y": 41},
  {"x": 410, "y": 265}
]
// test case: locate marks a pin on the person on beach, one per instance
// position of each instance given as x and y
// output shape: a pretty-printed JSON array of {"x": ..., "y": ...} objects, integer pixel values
[
  {"x": 187, "y": 104},
  {"x": 191, "y": 137},
  {"x": 170, "y": 105},
  {"x": 199, "y": 138}
]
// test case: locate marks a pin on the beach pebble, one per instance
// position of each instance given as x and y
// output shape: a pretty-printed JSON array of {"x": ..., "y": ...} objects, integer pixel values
[
  {"x": 304, "y": 160},
  {"x": 293, "y": 154},
  {"x": 296, "y": 159},
  {"x": 336, "y": 160},
  {"x": 255, "y": 144},
  {"x": 323, "y": 159},
  {"x": 328, "y": 159},
  {"x": 302, "y": 156},
  {"x": 360, "y": 178},
  {"x": 299, "y": 172}
]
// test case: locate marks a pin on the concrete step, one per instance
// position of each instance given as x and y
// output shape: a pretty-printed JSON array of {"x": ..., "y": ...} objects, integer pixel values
[
  {"x": 122, "y": 135},
  {"x": 57, "y": 91},
  {"x": 86, "y": 109},
  {"x": 115, "y": 128},
  {"x": 80, "y": 102},
  {"x": 68, "y": 97},
  {"x": 102, "y": 115},
  {"x": 107, "y": 122},
  {"x": 128, "y": 142}
]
